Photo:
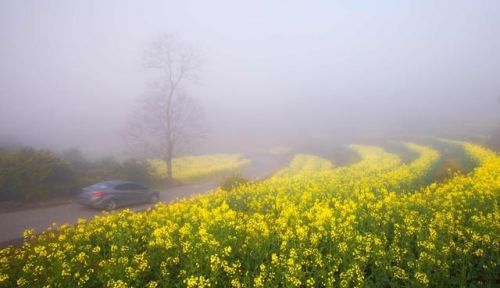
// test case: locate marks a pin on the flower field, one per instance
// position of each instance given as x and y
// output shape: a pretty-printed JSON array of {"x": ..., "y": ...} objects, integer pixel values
[
  {"x": 305, "y": 163},
  {"x": 192, "y": 168},
  {"x": 377, "y": 223}
]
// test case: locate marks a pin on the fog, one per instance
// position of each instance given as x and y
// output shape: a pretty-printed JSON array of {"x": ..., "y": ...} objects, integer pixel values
[{"x": 71, "y": 72}]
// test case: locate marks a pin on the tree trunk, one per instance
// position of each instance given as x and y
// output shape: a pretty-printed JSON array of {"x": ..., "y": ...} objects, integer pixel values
[{"x": 169, "y": 170}]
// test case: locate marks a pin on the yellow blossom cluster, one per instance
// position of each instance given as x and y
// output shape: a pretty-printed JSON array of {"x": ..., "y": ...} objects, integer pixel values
[{"x": 305, "y": 163}]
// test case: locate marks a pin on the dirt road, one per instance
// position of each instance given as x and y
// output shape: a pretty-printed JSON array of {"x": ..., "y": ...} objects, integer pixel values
[{"x": 13, "y": 224}]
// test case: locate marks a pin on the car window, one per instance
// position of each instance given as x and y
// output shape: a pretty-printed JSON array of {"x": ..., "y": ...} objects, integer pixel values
[
  {"x": 124, "y": 187},
  {"x": 102, "y": 185},
  {"x": 137, "y": 187},
  {"x": 129, "y": 186}
]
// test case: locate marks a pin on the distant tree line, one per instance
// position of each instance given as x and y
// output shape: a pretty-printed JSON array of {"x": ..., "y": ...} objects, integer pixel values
[{"x": 28, "y": 174}]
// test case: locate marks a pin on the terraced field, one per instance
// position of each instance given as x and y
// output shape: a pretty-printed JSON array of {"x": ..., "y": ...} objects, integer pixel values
[
  {"x": 376, "y": 223},
  {"x": 193, "y": 168}
]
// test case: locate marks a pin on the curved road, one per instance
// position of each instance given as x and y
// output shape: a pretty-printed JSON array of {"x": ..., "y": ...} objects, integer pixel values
[{"x": 13, "y": 224}]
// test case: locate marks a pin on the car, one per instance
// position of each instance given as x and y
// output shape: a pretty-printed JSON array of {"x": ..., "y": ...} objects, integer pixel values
[{"x": 111, "y": 194}]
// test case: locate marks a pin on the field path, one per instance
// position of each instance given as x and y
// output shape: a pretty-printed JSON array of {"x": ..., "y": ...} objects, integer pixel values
[{"x": 13, "y": 224}]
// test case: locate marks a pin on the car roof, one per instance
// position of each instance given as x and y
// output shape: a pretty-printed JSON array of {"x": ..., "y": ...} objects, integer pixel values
[
  {"x": 117, "y": 182},
  {"x": 114, "y": 183}
]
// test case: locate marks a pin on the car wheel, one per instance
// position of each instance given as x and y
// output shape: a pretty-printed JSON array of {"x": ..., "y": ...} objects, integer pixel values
[
  {"x": 154, "y": 198},
  {"x": 111, "y": 205}
]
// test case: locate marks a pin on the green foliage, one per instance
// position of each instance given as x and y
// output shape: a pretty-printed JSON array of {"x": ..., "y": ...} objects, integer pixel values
[
  {"x": 136, "y": 170},
  {"x": 31, "y": 174}
]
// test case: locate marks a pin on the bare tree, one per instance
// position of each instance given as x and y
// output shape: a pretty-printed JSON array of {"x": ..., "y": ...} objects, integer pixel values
[{"x": 168, "y": 120}]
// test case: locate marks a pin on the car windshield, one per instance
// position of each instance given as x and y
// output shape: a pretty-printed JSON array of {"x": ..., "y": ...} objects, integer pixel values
[{"x": 101, "y": 185}]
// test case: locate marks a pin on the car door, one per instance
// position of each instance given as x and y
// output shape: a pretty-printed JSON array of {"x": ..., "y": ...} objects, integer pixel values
[
  {"x": 139, "y": 193},
  {"x": 126, "y": 193}
]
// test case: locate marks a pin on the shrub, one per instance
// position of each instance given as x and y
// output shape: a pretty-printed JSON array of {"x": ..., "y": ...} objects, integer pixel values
[
  {"x": 30, "y": 174},
  {"x": 135, "y": 170}
]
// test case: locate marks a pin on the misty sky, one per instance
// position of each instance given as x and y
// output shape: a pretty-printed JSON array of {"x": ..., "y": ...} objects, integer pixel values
[{"x": 71, "y": 71}]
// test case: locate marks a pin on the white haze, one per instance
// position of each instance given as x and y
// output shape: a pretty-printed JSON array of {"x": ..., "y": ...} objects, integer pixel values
[{"x": 71, "y": 73}]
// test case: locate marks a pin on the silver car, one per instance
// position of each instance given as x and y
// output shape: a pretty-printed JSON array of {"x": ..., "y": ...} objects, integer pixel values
[{"x": 112, "y": 194}]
